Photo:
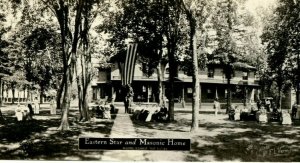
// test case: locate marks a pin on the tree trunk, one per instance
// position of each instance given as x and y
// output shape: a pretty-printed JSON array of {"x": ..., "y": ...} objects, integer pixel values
[
  {"x": 298, "y": 80},
  {"x": 79, "y": 99},
  {"x": 228, "y": 95},
  {"x": 1, "y": 95},
  {"x": 85, "y": 85},
  {"x": 85, "y": 106},
  {"x": 68, "y": 76},
  {"x": 64, "y": 125},
  {"x": 41, "y": 94},
  {"x": 160, "y": 79},
  {"x": 59, "y": 94},
  {"x": 79, "y": 92},
  {"x": 172, "y": 75},
  {"x": 28, "y": 93},
  {"x": 13, "y": 93},
  {"x": 2, "y": 92},
  {"x": 196, "y": 85},
  {"x": 2, "y": 120},
  {"x": 196, "y": 82},
  {"x": 7, "y": 94},
  {"x": 279, "y": 103},
  {"x": 297, "y": 94}
]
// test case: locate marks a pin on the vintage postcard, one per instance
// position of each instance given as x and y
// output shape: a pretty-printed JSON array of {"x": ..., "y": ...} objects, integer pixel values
[{"x": 150, "y": 80}]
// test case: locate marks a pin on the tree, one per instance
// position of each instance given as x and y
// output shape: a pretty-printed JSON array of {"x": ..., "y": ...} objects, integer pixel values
[
  {"x": 33, "y": 40},
  {"x": 194, "y": 23},
  {"x": 7, "y": 61},
  {"x": 71, "y": 20},
  {"x": 173, "y": 15},
  {"x": 223, "y": 22},
  {"x": 142, "y": 22},
  {"x": 154, "y": 25},
  {"x": 280, "y": 37},
  {"x": 4, "y": 61},
  {"x": 5, "y": 68},
  {"x": 289, "y": 12},
  {"x": 41, "y": 47}
]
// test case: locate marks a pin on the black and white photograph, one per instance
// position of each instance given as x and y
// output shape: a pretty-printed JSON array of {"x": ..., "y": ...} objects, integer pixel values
[{"x": 150, "y": 80}]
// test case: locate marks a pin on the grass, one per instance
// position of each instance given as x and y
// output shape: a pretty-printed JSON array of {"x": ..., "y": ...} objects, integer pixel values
[
  {"x": 39, "y": 140},
  {"x": 219, "y": 139}
]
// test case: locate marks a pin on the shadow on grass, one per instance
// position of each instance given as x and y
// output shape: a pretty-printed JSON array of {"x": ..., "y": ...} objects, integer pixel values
[
  {"x": 39, "y": 139},
  {"x": 14, "y": 131},
  {"x": 269, "y": 142}
]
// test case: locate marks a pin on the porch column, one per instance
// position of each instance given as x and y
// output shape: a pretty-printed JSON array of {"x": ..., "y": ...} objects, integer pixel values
[
  {"x": 182, "y": 99},
  {"x": 148, "y": 92},
  {"x": 113, "y": 95},
  {"x": 216, "y": 95},
  {"x": 252, "y": 95}
]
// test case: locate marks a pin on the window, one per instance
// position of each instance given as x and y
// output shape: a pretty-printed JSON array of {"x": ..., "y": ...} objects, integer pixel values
[
  {"x": 210, "y": 73},
  {"x": 245, "y": 75}
]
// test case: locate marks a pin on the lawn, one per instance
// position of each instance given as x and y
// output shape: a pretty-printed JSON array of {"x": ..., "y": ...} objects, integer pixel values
[
  {"x": 217, "y": 139},
  {"x": 39, "y": 139}
]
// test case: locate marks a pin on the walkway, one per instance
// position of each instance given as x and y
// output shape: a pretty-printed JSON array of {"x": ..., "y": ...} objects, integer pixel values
[{"x": 123, "y": 128}]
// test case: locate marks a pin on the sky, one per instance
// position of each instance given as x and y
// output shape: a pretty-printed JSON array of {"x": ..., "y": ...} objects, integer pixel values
[{"x": 253, "y": 4}]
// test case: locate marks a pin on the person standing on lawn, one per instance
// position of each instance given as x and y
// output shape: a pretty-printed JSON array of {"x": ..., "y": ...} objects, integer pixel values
[
  {"x": 36, "y": 106},
  {"x": 216, "y": 106},
  {"x": 128, "y": 98},
  {"x": 52, "y": 106}
]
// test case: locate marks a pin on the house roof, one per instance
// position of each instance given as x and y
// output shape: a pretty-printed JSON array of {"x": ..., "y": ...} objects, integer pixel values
[
  {"x": 236, "y": 65},
  {"x": 176, "y": 80}
]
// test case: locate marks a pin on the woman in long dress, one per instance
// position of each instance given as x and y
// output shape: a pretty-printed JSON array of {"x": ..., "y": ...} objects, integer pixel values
[
  {"x": 52, "y": 106},
  {"x": 36, "y": 106}
]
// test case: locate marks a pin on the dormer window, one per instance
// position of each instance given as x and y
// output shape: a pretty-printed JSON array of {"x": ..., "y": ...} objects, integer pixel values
[
  {"x": 245, "y": 75},
  {"x": 210, "y": 73}
]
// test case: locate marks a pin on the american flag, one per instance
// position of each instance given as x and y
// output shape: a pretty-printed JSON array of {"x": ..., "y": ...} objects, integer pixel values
[{"x": 128, "y": 69}]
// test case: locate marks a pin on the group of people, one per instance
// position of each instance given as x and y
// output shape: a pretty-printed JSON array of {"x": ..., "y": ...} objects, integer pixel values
[
  {"x": 103, "y": 111},
  {"x": 263, "y": 112},
  {"x": 153, "y": 114},
  {"x": 25, "y": 112},
  {"x": 267, "y": 104}
]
